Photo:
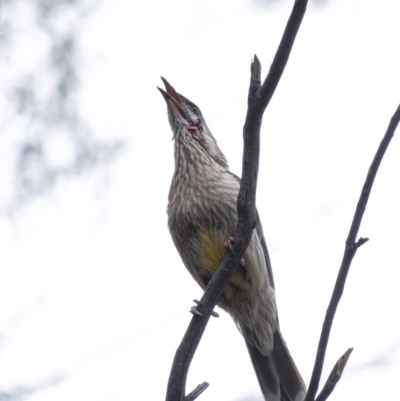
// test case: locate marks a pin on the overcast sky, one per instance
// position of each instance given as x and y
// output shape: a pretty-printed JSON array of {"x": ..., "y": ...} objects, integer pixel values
[{"x": 94, "y": 298}]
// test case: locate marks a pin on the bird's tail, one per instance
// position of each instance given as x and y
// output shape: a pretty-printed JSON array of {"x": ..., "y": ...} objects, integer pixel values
[{"x": 277, "y": 373}]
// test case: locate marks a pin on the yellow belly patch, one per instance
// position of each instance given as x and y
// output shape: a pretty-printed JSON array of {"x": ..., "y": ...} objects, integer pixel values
[{"x": 211, "y": 250}]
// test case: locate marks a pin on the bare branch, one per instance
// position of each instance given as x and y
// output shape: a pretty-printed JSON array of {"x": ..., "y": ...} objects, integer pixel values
[
  {"x": 259, "y": 97},
  {"x": 361, "y": 241},
  {"x": 349, "y": 252},
  {"x": 335, "y": 376},
  {"x": 196, "y": 392},
  {"x": 282, "y": 54}
]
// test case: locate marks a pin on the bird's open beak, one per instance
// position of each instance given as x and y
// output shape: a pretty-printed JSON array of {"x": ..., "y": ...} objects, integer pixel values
[{"x": 172, "y": 98}]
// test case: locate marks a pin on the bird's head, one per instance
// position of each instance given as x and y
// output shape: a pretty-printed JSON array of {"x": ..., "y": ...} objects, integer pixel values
[{"x": 188, "y": 124}]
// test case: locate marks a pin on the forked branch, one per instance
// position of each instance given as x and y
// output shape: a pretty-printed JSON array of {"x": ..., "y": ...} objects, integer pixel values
[
  {"x": 349, "y": 252},
  {"x": 335, "y": 376}
]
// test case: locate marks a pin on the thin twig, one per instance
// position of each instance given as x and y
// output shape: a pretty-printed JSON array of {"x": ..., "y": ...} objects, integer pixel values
[
  {"x": 349, "y": 252},
  {"x": 335, "y": 376},
  {"x": 282, "y": 54},
  {"x": 258, "y": 99},
  {"x": 196, "y": 392}
]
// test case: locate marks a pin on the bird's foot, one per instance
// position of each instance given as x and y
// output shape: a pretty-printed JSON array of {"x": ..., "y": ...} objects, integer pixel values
[
  {"x": 229, "y": 245},
  {"x": 195, "y": 311},
  {"x": 221, "y": 302}
]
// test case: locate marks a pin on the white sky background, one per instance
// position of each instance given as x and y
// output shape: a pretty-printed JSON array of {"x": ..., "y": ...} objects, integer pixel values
[{"x": 93, "y": 295}]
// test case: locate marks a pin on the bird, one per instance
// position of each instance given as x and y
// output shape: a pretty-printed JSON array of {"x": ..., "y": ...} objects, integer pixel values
[{"x": 202, "y": 218}]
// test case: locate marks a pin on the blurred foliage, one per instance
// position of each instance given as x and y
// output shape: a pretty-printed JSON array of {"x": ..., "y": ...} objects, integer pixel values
[
  {"x": 41, "y": 93},
  {"x": 22, "y": 393},
  {"x": 40, "y": 54}
]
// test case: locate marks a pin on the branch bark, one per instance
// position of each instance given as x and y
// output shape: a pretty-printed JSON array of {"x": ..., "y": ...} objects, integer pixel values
[
  {"x": 258, "y": 99},
  {"x": 196, "y": 392},
  {"x": 349, "y": 253},
  {"x": 335, "y": 376}
]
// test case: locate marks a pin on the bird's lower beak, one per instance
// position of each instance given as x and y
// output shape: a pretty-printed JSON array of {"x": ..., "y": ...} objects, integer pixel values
[{"x": 172, "y": 97}]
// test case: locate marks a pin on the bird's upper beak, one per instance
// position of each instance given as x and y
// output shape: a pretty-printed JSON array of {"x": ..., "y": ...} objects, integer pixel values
[{"x": 174, "y": 101}]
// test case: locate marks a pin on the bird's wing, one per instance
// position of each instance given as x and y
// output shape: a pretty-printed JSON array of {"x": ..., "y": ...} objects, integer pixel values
[{"x": 260, "y": 235}]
